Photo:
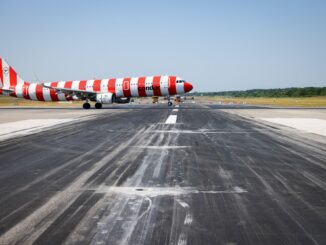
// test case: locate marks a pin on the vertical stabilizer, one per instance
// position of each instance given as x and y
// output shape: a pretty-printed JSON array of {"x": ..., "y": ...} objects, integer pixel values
[{"x": 8, "y": 76}]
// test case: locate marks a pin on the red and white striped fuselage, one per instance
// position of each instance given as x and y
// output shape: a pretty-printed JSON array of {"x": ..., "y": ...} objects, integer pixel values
[
  {"x": 11, "y": 84},
  {"x": 121, "y": 87}
]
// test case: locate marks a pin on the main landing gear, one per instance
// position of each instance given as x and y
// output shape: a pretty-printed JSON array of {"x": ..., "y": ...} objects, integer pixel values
[
  {"x": 98, "y": 105},
  {"x": 86, "y": 105}
]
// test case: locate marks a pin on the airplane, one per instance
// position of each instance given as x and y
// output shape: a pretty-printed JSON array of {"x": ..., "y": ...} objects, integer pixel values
[{"x": 104, "y": 91}]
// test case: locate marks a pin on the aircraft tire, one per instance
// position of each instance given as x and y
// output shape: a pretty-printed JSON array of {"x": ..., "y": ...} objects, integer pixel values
[
  {"x": 86, "y": 105},
  {"x": 98, "y": 105}
]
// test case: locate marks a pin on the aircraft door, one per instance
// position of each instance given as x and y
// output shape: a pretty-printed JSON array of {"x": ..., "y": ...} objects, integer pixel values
[{"x": 126, "y": 85}]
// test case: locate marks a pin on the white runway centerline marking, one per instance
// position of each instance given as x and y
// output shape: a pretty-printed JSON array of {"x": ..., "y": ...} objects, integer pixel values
[
  {"x": 175, "y": 110},
  {"x": 172, "y": 119}
]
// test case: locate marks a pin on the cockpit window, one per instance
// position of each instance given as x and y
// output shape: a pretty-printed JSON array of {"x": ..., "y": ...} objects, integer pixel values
[{"x": 180, "y": 81}]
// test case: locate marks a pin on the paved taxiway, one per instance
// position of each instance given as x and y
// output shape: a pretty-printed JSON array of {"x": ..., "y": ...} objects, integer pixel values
[{"x": 191, "y": 174}]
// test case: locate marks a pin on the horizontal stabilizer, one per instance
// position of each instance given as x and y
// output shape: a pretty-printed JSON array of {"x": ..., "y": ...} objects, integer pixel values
[{"x": 7, "y": 90}]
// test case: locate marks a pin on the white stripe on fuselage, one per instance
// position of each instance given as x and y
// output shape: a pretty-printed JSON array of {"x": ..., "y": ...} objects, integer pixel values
[
  {"x": 61, "y": 84},
  {"x": 149, "y": 86},
  {"x": 89, "y": 85},
  {"x": 19, "y": 90},
  {"x": 46, "y": 94},
  {"x": 104, "y": 85},
  {"x": 75, "y": 85},
  {"x": 164, "y": 85},
  {"x": 32, "y": 91},
  {"x": 118, "y": 87},
  {"x": 134, "y": 87}
]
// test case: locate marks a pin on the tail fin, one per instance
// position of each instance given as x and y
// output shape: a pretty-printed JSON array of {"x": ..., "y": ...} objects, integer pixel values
[{"x": 8, "y": 76}]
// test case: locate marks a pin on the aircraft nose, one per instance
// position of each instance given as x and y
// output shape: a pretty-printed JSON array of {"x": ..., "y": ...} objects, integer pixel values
[{"x": 187, "y": 86}]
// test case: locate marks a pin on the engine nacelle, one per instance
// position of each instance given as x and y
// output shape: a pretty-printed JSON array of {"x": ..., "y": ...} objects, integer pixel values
[{"x": 105, "y": 98}]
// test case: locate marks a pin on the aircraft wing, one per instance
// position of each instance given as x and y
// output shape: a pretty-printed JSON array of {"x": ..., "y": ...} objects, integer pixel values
[{"x": 77, "y": 92}]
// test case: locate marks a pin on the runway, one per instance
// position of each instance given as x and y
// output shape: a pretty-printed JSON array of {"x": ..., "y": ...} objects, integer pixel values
[{"x": 191, "y": 174}]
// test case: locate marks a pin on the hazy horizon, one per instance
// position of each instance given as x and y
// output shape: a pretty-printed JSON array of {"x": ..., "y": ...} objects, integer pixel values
[{"x": 216, "y": 45}]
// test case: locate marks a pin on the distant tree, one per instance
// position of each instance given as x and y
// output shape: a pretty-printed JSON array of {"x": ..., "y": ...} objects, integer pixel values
[{"x": 273, "y": 93}]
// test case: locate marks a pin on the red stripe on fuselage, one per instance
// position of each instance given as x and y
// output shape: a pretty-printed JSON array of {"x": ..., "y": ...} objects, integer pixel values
[
  {"x": 82, "y": 85},
  {"x": 39, "y": 93},
  {"x": 141, "y": 87},
  {"x": 25, "y": 91},
  {"x": 53, "y": 93},
  {"x": 111, "y": 86},
  {"x": 172, "y": 85},
  {"x": 68, "y": 84},
  {"x": 97, "y": 86},
  {"x": 126, "y": 87},
  {"x": 13, "y": 77},
  {"x": 156, "y": 86},
  {"x": 13, "y": 81}
]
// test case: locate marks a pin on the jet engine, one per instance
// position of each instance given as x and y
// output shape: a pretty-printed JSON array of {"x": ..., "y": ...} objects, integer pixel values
[
  {"x": 105, "y": 98},
  {"x": 109, "y": 98}
]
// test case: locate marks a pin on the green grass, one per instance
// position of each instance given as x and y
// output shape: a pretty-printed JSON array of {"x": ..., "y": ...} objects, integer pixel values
[{"x": 318, "y": 101}]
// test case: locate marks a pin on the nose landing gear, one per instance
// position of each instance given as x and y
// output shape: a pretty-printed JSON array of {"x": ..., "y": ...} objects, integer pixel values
[{"x": 169, "y": 101}]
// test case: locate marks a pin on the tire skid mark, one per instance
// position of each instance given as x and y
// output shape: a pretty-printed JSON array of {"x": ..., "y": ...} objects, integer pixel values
[
  {"x": 135, "y": 216},
  {"x": 182, "y": 239},
  {"x": 242, "y": 157},
  {"x": 124, "y": 204},
  {"x": 57, "y": 202},
  {"x": 285, "y": 208},
  {"x": 318, "y": 182},
  {"x": 292, "y": 192}
]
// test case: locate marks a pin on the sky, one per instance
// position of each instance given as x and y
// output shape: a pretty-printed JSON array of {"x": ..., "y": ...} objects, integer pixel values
[{"x": 215, "y": 45}]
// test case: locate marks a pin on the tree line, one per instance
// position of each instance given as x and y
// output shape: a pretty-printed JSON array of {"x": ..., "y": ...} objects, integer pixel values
[{"x": 281, "y": 92}]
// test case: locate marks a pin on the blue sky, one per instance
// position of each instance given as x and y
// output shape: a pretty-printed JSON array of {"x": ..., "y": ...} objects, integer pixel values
[{"x": 216, "y": 45}]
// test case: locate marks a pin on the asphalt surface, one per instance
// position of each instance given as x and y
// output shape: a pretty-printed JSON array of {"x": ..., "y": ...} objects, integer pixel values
[{"x": 129, "y": 178}]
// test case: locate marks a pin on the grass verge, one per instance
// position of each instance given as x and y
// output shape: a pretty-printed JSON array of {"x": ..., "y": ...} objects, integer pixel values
[{"x": 318, "y": 101}]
